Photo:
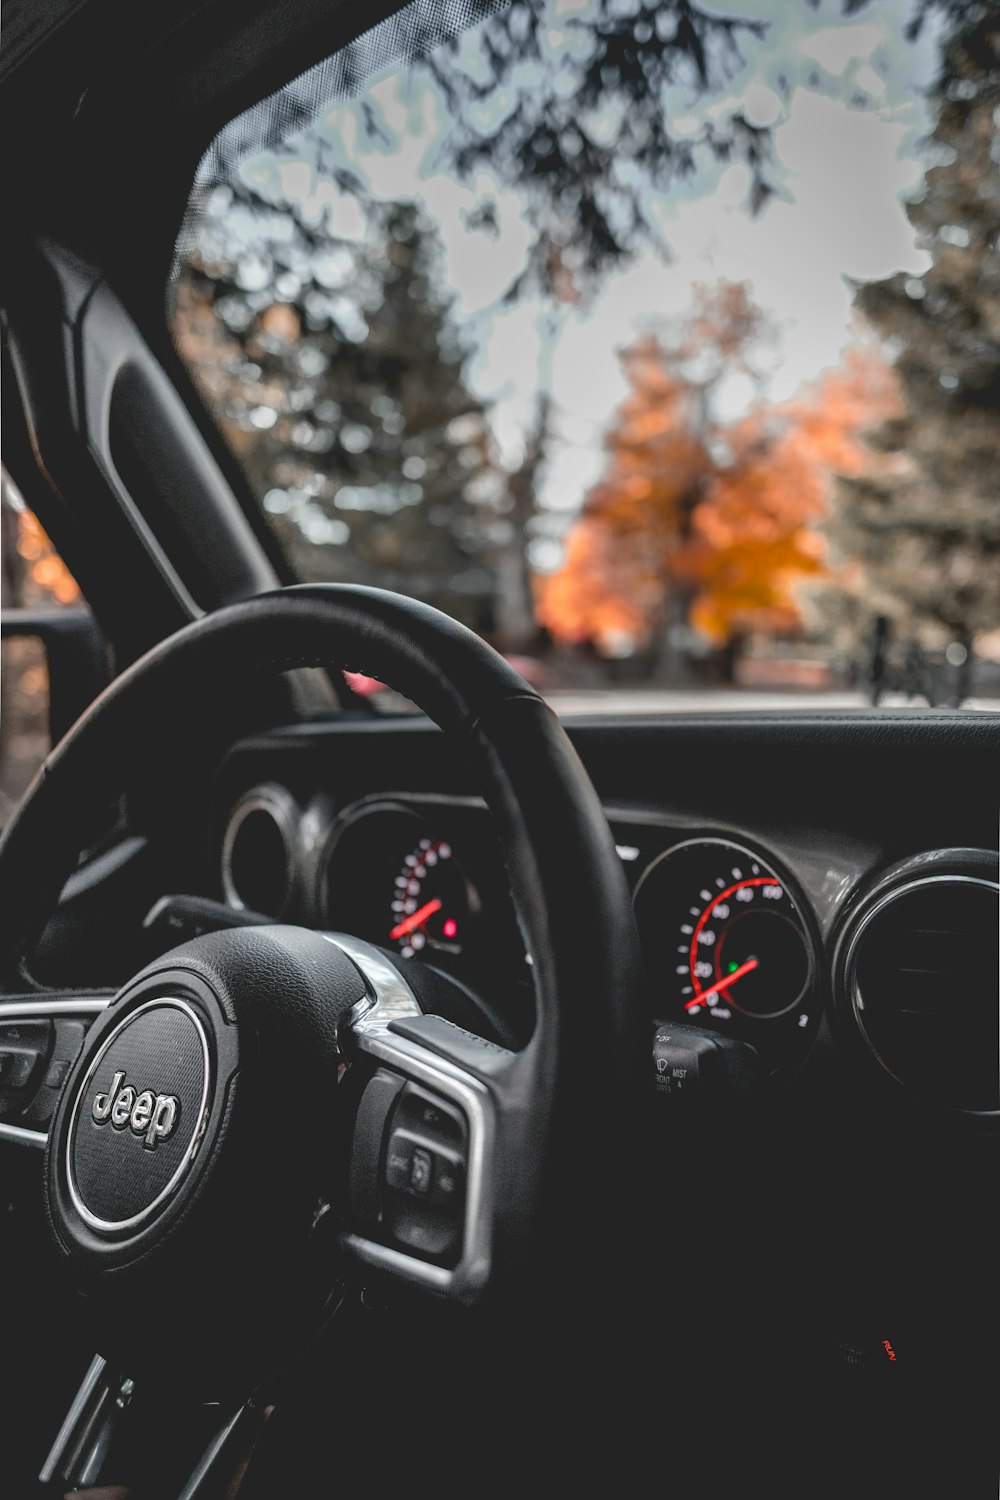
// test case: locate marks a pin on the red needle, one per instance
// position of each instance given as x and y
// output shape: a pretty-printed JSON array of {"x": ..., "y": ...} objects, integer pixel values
[
  {"x": 722, "y": 984},
  {"x": 418, "y": 918}
]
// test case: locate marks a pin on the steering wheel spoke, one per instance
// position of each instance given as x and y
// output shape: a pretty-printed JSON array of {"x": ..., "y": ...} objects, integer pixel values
[
  {"x": 423, "y": 1162},
  {"x": 41, "y": 1036}
]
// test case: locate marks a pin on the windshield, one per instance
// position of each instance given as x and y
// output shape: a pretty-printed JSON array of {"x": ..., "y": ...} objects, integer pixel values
[{"x": 660, "y": 344}]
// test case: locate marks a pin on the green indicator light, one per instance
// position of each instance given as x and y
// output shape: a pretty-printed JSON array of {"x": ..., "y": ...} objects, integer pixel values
[{"x": 733, "y": 968}]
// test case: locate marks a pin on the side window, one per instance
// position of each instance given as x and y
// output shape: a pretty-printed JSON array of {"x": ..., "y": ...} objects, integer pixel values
[{"x": 51, "y": 657}]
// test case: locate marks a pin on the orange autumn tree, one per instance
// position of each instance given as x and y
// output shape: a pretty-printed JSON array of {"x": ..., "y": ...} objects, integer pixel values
[
  {"x": 622, "y": 552},
  {"x": 755, "y": 535},
  {"x": 33, "y": 576},
  {"x": 702, "y": 520},
  {"x": 45, "y": 579}
]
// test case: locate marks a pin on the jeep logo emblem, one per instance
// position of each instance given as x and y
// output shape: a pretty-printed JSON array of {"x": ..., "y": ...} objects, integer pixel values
[{"x": 153, "y": 1116}]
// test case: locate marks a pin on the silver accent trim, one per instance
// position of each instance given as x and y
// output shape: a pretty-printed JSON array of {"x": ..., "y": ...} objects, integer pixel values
[
  {"x": 205, "y": 1468},
  {"x": 11, "y": 1009},
  {"x": 21, "y": 1136},
  {"x": 851, "y": 986},
  {"x": 114, "y": 1226},
  {"x": 393, "y": 999},
  {"x": 390, "y": 997},
  {"x": 467, "y": 1279},
  {"x": 280, "y": 806},
  {"x": 723, "y": 841},
  {"x": 79, "y": 1407}
]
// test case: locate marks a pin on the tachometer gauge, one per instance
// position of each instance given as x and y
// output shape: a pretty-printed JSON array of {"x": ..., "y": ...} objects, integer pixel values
[
  {"x": 728, "y": 945},
  {"x": 433, "y": 904},
  {"x": 397, "y": 878}
]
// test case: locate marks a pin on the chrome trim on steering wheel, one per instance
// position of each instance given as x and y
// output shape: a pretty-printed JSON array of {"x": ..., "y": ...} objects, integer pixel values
[
  {"x": 393, "y": 1000},
  {"x": 390, "y": 997},
  {"x": 91, "y": 1005},
  {"x": 20, "y": 1135},
  {"x": 13, "y": 1010},
  {"x": 465, "y": 1280}
]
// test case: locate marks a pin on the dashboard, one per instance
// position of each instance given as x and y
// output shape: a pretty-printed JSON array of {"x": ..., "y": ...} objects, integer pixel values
[
  {"x": 806, "y": 889},
  {"x": 818, "y": 902}
]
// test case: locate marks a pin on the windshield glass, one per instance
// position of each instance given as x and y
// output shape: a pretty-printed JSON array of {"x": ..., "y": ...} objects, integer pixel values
[{"x": 660, "y": 344}]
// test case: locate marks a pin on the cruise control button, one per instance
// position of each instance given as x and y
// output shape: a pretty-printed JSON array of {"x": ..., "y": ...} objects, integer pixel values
[
  {"x": 24, "y": 1046},
  {"x": 56, "y": 1076},
  {"x": 429, "y": 1116},
  {"x": 448, "y": 1178},
  {"x": 421, "y": 1170},
  {"x": 398, "y": 1160},
  {"x": 17, "y": 1066},
  {"x": 409, "y": 1166}
]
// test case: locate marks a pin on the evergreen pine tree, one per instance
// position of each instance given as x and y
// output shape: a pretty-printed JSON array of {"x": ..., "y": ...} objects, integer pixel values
[
  {"x": 336, "y": 373},
  {"x": 919, "y": 537}
]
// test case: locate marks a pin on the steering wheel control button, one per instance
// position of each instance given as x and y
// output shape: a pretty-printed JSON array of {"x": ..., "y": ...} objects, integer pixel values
[
  {"x": 24, "y": 1045},
  {"x": 66, "y": 1047},
  {"x": 17, "y": 1066},
  {"x": 414, "y": 1168},
  {"x": 56, "y": 1073},
  {"x": 421, "y": 1170},
  {"x": 139, "y": 1116},
  {"x": 430, "y": 1117},
  {"x": 425, "y": 1168}
]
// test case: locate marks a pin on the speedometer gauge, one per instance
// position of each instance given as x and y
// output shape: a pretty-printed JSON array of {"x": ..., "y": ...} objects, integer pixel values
[{"x": 728, "y": 945}]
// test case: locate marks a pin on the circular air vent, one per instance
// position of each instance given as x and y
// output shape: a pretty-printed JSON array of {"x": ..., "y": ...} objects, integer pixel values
[
  {"x": 258, "y": 851},
  {"x": 919, "y": 974}
]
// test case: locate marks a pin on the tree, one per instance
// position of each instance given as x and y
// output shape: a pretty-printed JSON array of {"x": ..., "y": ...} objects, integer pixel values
[
  {"x": 583, "y": 127},
  {"x": 757, "y": 545},
  {"x": 701, "y": 521},
  {"x": 918, "y": 539},
  {"x": 587, "y": 112},
  {"x": 336, "y": 374},
  {"x": 621, "y": 557},
  {"x": 516, "y": 629}
]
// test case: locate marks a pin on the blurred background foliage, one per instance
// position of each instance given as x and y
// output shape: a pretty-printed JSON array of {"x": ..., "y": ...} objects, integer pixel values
[
  {"x": 850, "y": 531},
  {"x": 337, "y": 370},
  {"x": 34, "y": 577}
]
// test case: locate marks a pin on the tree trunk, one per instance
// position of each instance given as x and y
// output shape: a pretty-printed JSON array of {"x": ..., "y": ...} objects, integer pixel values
[{"x": 516, "y": 627}]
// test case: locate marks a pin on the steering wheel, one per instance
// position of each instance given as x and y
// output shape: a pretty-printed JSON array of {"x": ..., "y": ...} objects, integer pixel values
[{"x": 266, "y": 1109}]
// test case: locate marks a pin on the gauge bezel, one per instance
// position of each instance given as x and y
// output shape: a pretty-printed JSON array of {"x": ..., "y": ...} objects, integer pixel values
[
  {"x": 274, "y": 801},
  {"x": 420, "y": 811},
  {"x": 492, "y": 966},
  {"x": 812, "y": 992},
  {"x": 946, "y": 866}
]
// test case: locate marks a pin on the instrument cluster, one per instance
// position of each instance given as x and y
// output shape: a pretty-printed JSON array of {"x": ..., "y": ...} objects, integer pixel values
[
  {"x": 420, "y": 876},
  {"x": 736, "y": 940}
]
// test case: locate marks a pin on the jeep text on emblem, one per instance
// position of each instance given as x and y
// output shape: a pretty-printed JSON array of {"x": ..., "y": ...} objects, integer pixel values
[
  {"x": 114, "y": 1187},
  {"x": 153, "y": 1115}
]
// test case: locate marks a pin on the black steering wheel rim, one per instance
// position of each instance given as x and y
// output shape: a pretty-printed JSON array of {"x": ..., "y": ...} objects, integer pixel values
[{"x": 572, "y": 1094}]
